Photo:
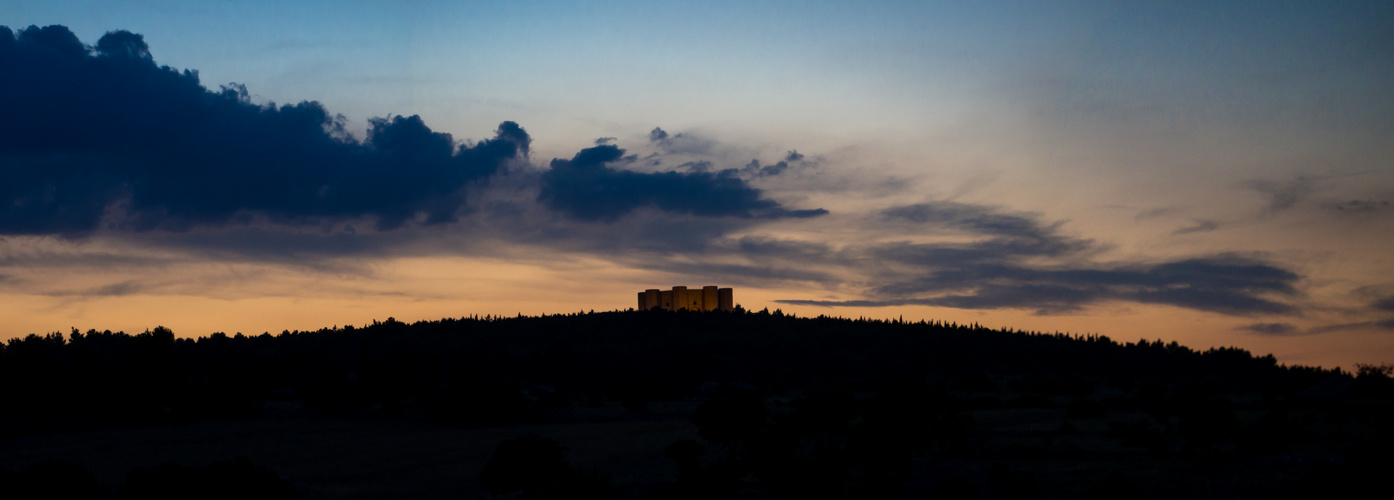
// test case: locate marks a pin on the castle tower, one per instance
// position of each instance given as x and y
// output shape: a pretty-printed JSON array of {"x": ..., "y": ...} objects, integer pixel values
[
  {"x": 694, "y": 300},
  {"x": 725, "y": 299},
  {"x": 709, "y": 298},
  {"x": 679, "y": 298}
]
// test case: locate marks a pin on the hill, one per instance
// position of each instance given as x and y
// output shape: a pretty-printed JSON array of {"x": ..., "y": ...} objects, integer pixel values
[{"x": 754, "y": 405}]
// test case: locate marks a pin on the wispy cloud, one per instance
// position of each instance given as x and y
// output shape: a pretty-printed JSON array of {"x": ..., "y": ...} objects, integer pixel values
[
  {"x": 1271, "y": 329},
  {"x": 1019, "y": 262},
  {"x": 1201, "y": 226},
  {"x": 1359, "y": 325},
  {"x": 121, "y": 289},
  {"x": 1283, "y": 195}
]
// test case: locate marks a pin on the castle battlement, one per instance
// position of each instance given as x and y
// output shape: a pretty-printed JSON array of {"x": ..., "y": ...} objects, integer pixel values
[{"x": 707, "y": 298}]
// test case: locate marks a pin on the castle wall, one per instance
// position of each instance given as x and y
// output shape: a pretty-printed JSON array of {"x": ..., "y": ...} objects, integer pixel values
[
  {"x": 679, "y": 298},
  {"x": 652, "y": 298},
  {"x": 708, "y": 298},
  {"x": 694, "y": 300}
]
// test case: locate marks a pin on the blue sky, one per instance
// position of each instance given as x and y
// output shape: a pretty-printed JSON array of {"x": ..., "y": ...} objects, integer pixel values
[{"x": 1213, "y": 172}]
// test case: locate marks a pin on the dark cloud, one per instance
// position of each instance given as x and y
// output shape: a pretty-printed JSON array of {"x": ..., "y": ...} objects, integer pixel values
[
  {"x": 1362, "y": 206},
  {"x": 1283, "y": 195},
  {"x": 1216, "y": 285},
  {"x": 307, "y": 249},
  {"x": 742, "y": 274},
  {"x": 1387, "y": 324},
  {"x": 1385, "y": 304},
  {"x": 975, "y": 219},
  {"x": 684, "y": 146},
  {"x": 1275, "y": 329},
  {"x": 969, "y": 280},
  {"x": 680, "y": 143},
  {"x": 586, "y": 188},
  {"x": 696, "y": 166},
  {"x": 800, "y": 251},
  {"x": 89, "y": 130},
  {"x": 121, "y": 289},
  {"x": 1153, "y": 213},
  {"x": 1201, "y": 226},
  {"x": 1009, "y": 266},
  {"x": 764, "y": 260},
  {"x": 100, "y": 139},
  {"x": 753, "y": 169}
]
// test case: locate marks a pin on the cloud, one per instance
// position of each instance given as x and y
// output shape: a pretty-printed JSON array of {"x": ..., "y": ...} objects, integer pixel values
[
  {"x": 754, "y": 170},
  {"x": 1153, "y": 213},
  {"x": 974, "y": 218},
  {"x": 742, "y": 274},
  {"x": 101, "y": 135},
  {"x": 120, "y": 289},
  {"x": 1387, "y": 324},
  {"x": 1200, "y": 227},
  {"x": 586, "y": 188},
  {"x": 1283, "y": 195},
  {"x": 101, "y": 142},
  {"x": 1224, "y": 284},
  {"x": 764, "y": 246},
  {"x": 101, "y": 139},
  {"x": 680, "y": 143},
  {"x": 1273, "y": 329},
  {"x": 1362, "y": 206},
  {"x": 1019, "y": 262},
  {"x": 696, "y": 166}
]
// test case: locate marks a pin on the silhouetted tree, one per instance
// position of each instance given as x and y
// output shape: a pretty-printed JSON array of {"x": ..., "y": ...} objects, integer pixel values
[
  {"x": 535, "y": 466},
  {"x": 731, "y": 416},
  {"x": 236, "y": 479},
  {"x": 49, "y": 480},
  {"x": 687, "y": 454}
]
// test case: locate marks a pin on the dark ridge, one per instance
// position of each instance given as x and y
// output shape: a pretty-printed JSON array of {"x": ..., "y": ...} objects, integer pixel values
[
  {"x": 795, "y": 406},
  {"x": 650, "y": 355}
]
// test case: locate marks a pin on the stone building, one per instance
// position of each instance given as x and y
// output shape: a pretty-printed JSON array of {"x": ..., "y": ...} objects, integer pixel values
[{"x": 707, "y": 298}]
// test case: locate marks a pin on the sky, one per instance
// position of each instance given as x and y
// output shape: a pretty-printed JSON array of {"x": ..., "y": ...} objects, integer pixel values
[{"x": 1214, "y": 173}]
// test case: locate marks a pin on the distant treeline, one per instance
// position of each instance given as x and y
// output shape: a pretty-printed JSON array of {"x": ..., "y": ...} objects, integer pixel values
[{"x": 498, "y": 370}]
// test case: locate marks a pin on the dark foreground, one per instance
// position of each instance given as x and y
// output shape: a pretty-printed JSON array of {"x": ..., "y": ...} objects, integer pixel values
[{"x": 677, "y": 405}]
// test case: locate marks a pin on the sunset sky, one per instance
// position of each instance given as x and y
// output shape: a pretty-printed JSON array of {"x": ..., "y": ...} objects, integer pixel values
[{"x": 1216, "y": 173}]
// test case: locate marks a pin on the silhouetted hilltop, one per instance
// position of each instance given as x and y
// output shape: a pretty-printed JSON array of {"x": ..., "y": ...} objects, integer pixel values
[
  {"x": 871, "y": 408},
  {"x": 105, "y": 378}
]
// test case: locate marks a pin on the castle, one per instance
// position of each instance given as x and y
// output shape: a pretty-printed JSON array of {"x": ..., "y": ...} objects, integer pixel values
[{"x": 709, "y": 298}]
